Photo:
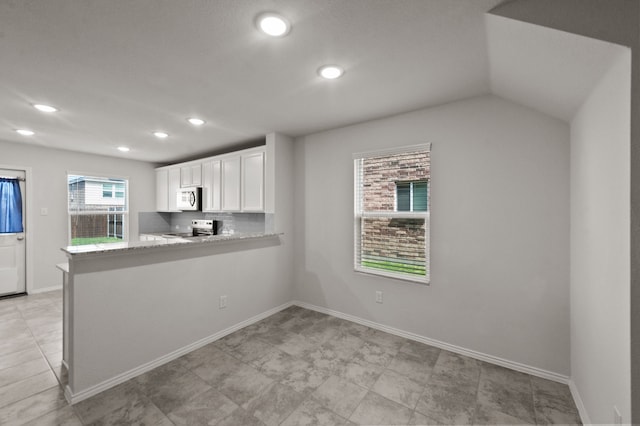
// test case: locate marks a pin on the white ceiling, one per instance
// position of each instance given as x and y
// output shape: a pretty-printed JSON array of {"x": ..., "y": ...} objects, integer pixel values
[
  {"x": 120, "y": 69},
  {"x": 548, "y": 70}
]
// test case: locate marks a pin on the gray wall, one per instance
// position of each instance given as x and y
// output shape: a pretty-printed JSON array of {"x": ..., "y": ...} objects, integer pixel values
[
  {"x": 141, "y": 307},
  {"x": 131, "y": 294},
  {"x": 616, "y": 21},
  {"x": 49, "y": 189},
  {"x": 499, "y": 230},
  {"x": 600, "y": 357}
]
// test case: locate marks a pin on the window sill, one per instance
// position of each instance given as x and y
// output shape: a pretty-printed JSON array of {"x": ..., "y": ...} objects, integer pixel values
[{"x": 392, "y": 275}]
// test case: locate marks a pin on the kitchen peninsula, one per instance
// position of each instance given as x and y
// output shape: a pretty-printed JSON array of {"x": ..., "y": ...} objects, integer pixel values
[
  {"x": 130, "y": 307},
  {"x": 129, "y": 247}
]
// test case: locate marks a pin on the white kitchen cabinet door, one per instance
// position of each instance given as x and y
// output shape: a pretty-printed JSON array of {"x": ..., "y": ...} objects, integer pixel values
[
  {"x": 216, "y": 193},
  {"x": 196, "y": 175},
  {"x": 162, "y": 190},
  {"x": 253, "y": 182},
  {"x": 207, "y": 186},
  {"x": 191, "y": 175},
  {"x": 211, "y": 186},
  {"x": 230, "y": 170},
  {"x": 174, "y": 185},
  {"x": 185, "y": 176}
]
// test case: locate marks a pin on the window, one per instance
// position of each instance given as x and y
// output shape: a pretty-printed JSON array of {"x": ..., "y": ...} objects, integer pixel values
[
  {"x": 411, "y": 196},
  {"x": 107, "y": 190},
  {"x": 98, "y": 209},
  {"x": 111, "y": 190},
  {"x": 10, "y": 206},
  {"x": 392, "y": 213}
]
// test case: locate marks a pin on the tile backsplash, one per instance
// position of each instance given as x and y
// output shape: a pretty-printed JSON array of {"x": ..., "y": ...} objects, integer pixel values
[{"x": 154, "y": 222}]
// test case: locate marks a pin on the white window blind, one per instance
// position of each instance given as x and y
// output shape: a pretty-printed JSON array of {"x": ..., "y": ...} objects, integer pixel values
[
  {"x": 391, "y": 214},
  {"x": 98, "y": 209}
]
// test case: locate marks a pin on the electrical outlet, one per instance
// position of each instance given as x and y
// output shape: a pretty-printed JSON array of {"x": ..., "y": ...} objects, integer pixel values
[
  {"x": 223, "y": 302},
  {"x": 44, "y": 211},
  {"x": 617, "y": 417},
  {"x": 378, "y": 297}
]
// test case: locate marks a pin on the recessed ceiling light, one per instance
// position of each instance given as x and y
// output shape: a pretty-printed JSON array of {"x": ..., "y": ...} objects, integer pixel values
[
  {"x": 25, "y": 132},
  {"x": 273, "y": 24},
  {"x": 45, "y": 108},
  {"x": 330, "y": 72},
  {"x": 195, "y": 121},
  {"x": 123, "y": 149},
  {"x": 160, "y": 135}
]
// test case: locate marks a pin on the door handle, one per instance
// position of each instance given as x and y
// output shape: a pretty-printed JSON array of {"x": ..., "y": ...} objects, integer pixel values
[{"x": 20, "y": 237}]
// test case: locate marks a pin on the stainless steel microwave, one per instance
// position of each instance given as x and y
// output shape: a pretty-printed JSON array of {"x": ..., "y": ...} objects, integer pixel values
[{"x": 189, "y": 198}]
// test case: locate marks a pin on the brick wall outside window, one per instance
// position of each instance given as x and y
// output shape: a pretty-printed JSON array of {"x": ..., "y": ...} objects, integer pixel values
[{"x": 392, "y": 238}]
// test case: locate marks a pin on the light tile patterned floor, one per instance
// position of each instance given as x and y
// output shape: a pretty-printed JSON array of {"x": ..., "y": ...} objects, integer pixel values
[{"x": 297, "y": 367}]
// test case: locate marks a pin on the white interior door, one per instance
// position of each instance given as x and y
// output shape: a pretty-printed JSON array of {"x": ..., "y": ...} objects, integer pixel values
[{"x": 12, "y": 248}]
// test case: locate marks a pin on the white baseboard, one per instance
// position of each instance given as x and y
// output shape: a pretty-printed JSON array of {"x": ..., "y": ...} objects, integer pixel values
[
  {"x": 74, "y": 398},
  {"x": 45, "y": 289},
  {"x": 582, "y": 410},
  {"x": 534, "y": 371}
]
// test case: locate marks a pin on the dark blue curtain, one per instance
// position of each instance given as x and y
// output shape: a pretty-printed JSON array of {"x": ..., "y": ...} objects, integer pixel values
[{"x": 10, "y": 206}]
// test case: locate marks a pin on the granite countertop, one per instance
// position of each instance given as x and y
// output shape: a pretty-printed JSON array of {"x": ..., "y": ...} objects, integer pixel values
[{"x": 92, "y": 249}]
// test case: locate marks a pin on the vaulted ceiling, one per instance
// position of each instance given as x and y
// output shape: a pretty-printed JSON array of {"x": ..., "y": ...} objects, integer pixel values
[
  {"x": 548, "y": 70},
  {"x": 119, "y": 70}
]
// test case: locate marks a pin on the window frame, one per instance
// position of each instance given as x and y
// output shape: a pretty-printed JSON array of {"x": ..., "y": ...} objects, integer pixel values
[
  {"x": 359, "y": 215},
  {"x": 124, "y": 212}
]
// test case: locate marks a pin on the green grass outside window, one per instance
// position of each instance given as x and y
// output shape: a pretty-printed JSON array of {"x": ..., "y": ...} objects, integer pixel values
[
  {"x": 94, "y": 240},
  {"x": 395, "y": 266}
]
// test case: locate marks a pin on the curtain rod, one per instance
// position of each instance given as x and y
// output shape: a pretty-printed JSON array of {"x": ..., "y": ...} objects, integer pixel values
[{"x": 13, "y": 177}]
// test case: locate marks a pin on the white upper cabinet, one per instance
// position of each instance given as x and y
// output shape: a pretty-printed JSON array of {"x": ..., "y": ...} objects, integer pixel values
[
  {"x": 230, "y": 169},
  {"x": 167, "y": 185},
  {"x": 162, "y": 190},
  {"x": 231, "y": 182},
  {"x": 174, "y": 185},
  {"x": 191, "y": 175},
  {"x": 211, "y": 186},
  {"x": 253, "y": 182}
]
